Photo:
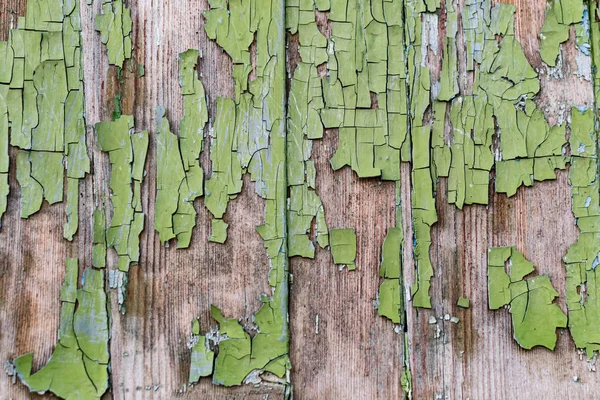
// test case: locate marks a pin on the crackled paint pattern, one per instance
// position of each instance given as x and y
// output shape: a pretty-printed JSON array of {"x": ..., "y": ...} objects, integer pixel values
[
  {"x": 249, "y": 136},
  {"x": 387, "y": 110},
  {"x": 78, "y": 367},
  {"x": 41, "y": 101},
  {"x": 583, "y": 256},
  {"x": 501, "y": 101},
  {"x": 363, "y": 96},
  {"x": 127, "y": 153},
  {"x": 115, "y": 25},
  {"x": 559, "y": 16},
  {"x": 180, "y": 177},
  {"x": 371, "y": 81},
  {"x": 305, "y": 103},
  {"x": 535, "y": 317},
  {"x": 202, "y": 356}
]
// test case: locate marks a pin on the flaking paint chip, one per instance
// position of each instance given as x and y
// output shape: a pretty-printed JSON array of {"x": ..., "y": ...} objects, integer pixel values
[{"x": 343, "y": 247}]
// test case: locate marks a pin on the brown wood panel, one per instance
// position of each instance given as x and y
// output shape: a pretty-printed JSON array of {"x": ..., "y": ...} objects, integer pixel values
[{"x": 355, "y": 353}]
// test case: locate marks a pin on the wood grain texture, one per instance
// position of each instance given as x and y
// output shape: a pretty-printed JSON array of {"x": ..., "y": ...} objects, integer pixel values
[
  {"x": 478, "y": 357},
  {"x": 356, "y": 354}
]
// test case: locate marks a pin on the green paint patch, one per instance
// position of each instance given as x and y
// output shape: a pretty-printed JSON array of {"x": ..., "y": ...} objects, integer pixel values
[
  {"x": 249, "y": 136},
  {"x": 78, "y": 367},
  {"x": 180, "y": 175},
  {"x": 99, "y": 239},
  {"x": 218, "y": 231},
  {"x": 115, "y": 26},
  {"x": 239, "y": 354},
  {"x": 535, "y": 317},
  {"x": 583, "y": 256},
  {"x": 42, "y": 103},
  {"x": 343, "y": 247},
  {"x": 202, "y": 356},
  {"x": 390, "y": 298},
  {"x": 127, "y": 152},
  {"x": 463, "y": 302}
]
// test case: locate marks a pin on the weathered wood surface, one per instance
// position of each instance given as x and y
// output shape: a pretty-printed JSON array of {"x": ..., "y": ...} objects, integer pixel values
[{"x": 355, "y": 353}]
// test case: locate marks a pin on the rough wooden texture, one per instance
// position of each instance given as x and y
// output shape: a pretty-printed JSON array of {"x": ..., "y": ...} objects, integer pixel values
[
  {"x": 356, "y": 353},
  {"x": 478, "y": 357}
]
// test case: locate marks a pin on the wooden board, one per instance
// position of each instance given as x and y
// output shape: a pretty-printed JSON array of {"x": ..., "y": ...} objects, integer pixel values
[{"x": 340, "y": 347}]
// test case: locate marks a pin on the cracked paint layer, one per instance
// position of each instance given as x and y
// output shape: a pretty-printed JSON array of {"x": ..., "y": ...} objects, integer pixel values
[
  {"x": 390, "y": 296},
  {"x": 363, "y": 96},
  {"x": 305, "y": 103},
  {"x": 505, "y": 86},
  {"x": 115, "y": 26},
  {"x": 127, "y": 154},
  {"x": 41, "y": 102},
  {"x": 99, "y": 239},
  {"x": 535, "y": 316},
  {"x": 582, "y": 258},
  {"x": 202, "y": 356},
  {"x": 180, "y": 177},
  {"x": 560, "y": 15},
  {"x": 424, "y": 214},
  {"x": 249, "y": 135},
  {"x": 78, "y": 367}
]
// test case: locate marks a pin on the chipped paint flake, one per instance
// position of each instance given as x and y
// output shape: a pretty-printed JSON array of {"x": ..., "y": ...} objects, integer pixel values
[
  {"x": 343, "y": 247},
  {"x": 390, "y": 296},
  {"x": 115, "y": 26},
  {"x": 41, "y": 101},
  {"x": 249, "y": 135},
  {"x": 127, "y": 154},
  {"x": 202, "y": 356},
  {"x": 535, "y": 316},
  {"x": 78, "y": 367},
  {"x": 463, "y": 302}
]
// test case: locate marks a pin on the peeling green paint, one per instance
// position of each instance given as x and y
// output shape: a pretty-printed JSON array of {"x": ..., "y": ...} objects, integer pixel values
[
  {"x": 422, "y": 198},
  {"x": 127, "y": 154},
  {"x": 115, "y": 26},
  {"x": 99, "y": 239},
  {"x": 249, "y": 135},
  {"x": 41, "y": 102},
  {"x": 379, "y": 94},
  {"x": 180, "y": 176},
  {"x": 78, "y": 367},
  {"x": 449, "y": 73},
  {"x": 463, "y": 302},
  {"x": 583, "y": 256},
  {"x": 390, "y": 296},
  {"x": 559, "y": 16},
  {"x": 535, "y": 316},
  {"x": 202, "y": 356},
  {"x": 343, "y": 247},
  {"x": 305, "y": 103},
  {"x": 175, "y": 217}
]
